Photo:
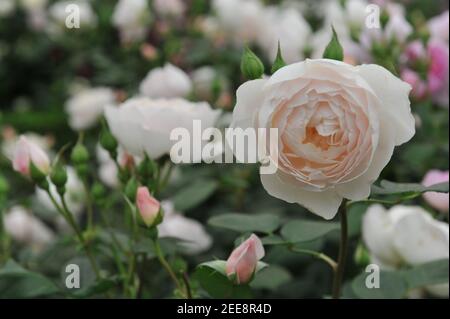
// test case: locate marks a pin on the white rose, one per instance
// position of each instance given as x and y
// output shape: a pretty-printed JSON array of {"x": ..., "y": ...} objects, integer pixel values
[
  {"x": 25, "y": 228},
  {"x": 337, "y": 125},
  {"x": 58, "y": 13},
  {"x": 168, "y": 81},
  {"x": 85, "y": 107},
  {"x": 191, "y": 232},
  {"x": 131, "y": 18},
  {"x": 287, "y": 26},
  {"x": 6, "y": 7},
  {"x": 241, "y": 20},
  {"x": 405, "y": 235},
  {"x": 144, "y": 125},
  {"x": 174, "y": 8}
]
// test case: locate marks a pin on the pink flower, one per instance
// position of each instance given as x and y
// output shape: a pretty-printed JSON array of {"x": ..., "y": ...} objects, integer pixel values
[
  {"x": 438, "y": 27},
  {"x": 438, "y": 201},
  {"x": 244, "y": 258},
  {"x": 27, "y": 152},
  {"x": 147, "y": 205},
  {"x": 438, "y": 71},
  {"x": 419, "y": 87}
]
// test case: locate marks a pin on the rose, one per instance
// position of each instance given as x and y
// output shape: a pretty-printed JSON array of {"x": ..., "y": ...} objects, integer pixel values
[
  {"x": 337, "y": 128},
  {"x": 191, "y": 232},
  {"x": 58, "y": 13},
  {"x": 27, "y": 229},
  {"x": 405, "y": 235},
  {"x": 131, "y": 17},
  {"x": 27, "y": 152},
  {"x": 243, "y": 260},
  {"x": 85, "y": 107},
  {"x": 438, "y": 27},
  {"x": 438, "y": 201},
  {"x": 173, "y": 8},
  {"x": 148, "y": 206},
  {"x": 287, "y": 26},
  {"x": 142, "y": 125},
  {"x": 166, "y": 82}
]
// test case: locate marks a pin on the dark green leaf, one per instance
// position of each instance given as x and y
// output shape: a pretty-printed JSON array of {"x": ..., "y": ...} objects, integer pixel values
[
  {"x": 306, "y": 230},
  {"x": 435, "y": 272},
  {"x": 265, "y": 223},
  {"x": 388, "y": 188},
  {"x": 194, "y": 194},
  {"x": 392, "y": 286},
  {"x": 17, "y": 282}
]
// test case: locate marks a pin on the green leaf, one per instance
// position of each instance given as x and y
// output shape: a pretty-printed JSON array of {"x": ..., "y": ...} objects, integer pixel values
[
  {"x": 194, "y": 194},
  {"x": 271, "y": 278},
  {"x": 431, "y": 273},
  {"x": 279, "y": 62},
  {"x": 211, "y": 276},
  {"x": 306, "y": 230},
  {"x": 264, "y": 223},
  {"x": 17, "y": 282},
  {"x": 99, "y": 287},
  {"x": 389, "y": 188},
  {"x": 334, "y": 49},
  {"x": 392, "y": 286}
]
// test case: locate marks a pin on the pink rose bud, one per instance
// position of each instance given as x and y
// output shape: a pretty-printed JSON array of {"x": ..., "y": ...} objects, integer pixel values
[
  {"x": 438, "y": 201},
  {"x": 148, "y": 206},
  {"x": 244, "y": 258},
  {"x": 27, "y": 152}
]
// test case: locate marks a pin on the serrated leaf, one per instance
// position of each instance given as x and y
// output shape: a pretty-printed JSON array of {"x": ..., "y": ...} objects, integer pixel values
[
  {"x": 265, "y": 223},
  {"x": 306, "y": 230}
]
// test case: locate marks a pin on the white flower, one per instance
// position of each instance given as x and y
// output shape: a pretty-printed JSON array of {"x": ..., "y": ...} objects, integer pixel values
[
  {"x": 22, "y": 226},
  {"x": 405, "y": 235},
  {"x": 9, "y": 144},
  {"x": 168, "y": 81},
  {"x": 59, "y": 14},
  {"x": 337, "y": 126},
  {"x": 85, "y": 107},
  {"x": 31, "y": 5},
  {"x": 131, "y": 17},
  {"x": 74, "y": 196},
  {"x": 287, "y": 26},
  {"x": 7, "y": 7},
  {"x": 191, "y": 232},
  {"x": 144, "y": 125},
  {"x": 173, "y": 8},
  {"x": 241, "y": 20},
  {"x": 438, "y": 27}
]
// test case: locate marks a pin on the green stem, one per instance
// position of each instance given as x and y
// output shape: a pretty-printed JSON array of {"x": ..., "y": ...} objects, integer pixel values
[
  {"x": 339, "y": 273},
  {"x": 165, "y": 264},
  {"x": 330, "y": 261},
  {"x": 90, "y": 210},
  {"x": 65, "y": 212}
]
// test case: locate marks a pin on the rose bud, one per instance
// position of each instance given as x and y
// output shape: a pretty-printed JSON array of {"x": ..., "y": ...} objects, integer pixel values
[
  {"x": 148, "y": 206},
  {"x": 241, "y": 264},
  {"x": 26, "y": 153}
]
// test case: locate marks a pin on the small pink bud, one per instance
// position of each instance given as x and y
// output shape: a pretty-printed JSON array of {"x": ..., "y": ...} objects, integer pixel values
[
  {"x": 244, "y": 258},
  {"x": 27, "y": 152},
  {"x": 147, "y": 205},
  {"x": 439, "y": 201}
]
